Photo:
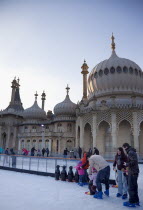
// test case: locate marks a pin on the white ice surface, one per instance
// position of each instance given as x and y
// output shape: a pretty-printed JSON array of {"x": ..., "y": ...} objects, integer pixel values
[{"x": 19, "y": 191}]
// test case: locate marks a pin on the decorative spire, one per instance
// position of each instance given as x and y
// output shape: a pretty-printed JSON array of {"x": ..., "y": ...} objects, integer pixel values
[
  {"x": 18, "y": 80},
  {"x": 43, "y": 95},
  {"x": 36, "y": 95},
  {"x": 43, "y": 99},
  {"x": 67, "y": 88},
  {"x": 113, "y": 43}
]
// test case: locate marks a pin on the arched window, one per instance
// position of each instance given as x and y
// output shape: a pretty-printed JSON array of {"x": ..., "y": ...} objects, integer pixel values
[
  {"x": 112, "y": 70},
  {"x": 25, "y": 129},
  {"x": 131, "y": 70},
  {"x": 119, "y": 70},
  {"x": 106, "y": 71},
  {"x": 95, "y": 75},
  {"x": 69, "y": 127},
  {"x": 33, "y": 128},
  {"x": 136, "y": 72},
  {"x": 125, "y": 69},
  {"x": 100, "y": 73}
]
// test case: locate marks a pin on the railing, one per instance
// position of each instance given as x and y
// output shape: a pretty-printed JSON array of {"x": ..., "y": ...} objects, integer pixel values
[{"x": 34, "y": 163}]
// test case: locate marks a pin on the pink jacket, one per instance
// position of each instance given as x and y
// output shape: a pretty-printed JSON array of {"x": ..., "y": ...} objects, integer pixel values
[{"x": 79, "y": 168}]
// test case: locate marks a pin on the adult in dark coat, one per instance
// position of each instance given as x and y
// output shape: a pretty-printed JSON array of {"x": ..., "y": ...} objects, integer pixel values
[
  {"x": 133, "y": 172},
  {"x": 65, "y": 152},
  {"x": 47, "y": 151},
  {"x": 90, "y": 152},
  {"x": 96, "y": 151},
  {"x": 79, "y": 151},
  {"x": 43, "y": 151},
  {"x": 33, "y": 151}
]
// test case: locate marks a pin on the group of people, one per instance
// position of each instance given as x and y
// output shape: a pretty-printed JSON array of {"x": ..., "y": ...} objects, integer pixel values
[
  {"x": 126, "y": 164},
  {"x": 37, "y": 152},
  {"x": 74, "y": 153}
]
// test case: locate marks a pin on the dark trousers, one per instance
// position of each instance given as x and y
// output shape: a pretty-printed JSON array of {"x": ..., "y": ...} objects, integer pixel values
[
  {"x": 81, "y": 178},
  {"x": 85, "y": 176},
  {"x": 103, "y": 177},
  {"x": 133, "y": 188}
]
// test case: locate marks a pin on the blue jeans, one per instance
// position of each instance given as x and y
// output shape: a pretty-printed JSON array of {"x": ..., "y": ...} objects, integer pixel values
[
  {"x": 103, "y": 177},
  {"x": 81, "y": 178},
  {"x": 122, "y": 183}
]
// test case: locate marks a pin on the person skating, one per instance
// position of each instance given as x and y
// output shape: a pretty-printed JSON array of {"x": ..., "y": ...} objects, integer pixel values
[
  {"x": 65, "y": 152},
  {"x": 33, "y": 151},
  {"x": 133, "y": 172},
  {"x": 47, "y": 151},
  {"x": 79, "y": 152},
  {"x": 120, "y": 158},
  {"x": 95, "y": 151},
  {"x": 43, "y": 152},
  {"x": 81, "y": 173},
  {"x": 103, "y": 169},
  {"x": 85, "y": 165}
]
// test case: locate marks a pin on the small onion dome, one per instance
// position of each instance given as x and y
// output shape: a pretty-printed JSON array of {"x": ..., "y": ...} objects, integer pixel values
[
  {"x": 67, "y": 107},
  {"x": 34, "y": 112}
]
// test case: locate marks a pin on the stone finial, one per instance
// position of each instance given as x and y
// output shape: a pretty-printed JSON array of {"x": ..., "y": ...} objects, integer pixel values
[
  {"x": 113, "y": 43},
  {"x": 43, "y": 96},
  {"x": 67, "y": 88},
  {"x": 36, "y": 95}
]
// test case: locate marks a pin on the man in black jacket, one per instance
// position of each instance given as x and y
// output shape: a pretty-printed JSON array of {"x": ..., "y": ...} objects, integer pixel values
[{"x": 133, "y": 172}]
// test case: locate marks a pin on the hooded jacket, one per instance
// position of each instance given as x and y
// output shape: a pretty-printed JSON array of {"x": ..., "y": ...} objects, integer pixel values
[
  {"x": 132, "y": 161},
  {"x": 98, "y": 162}
]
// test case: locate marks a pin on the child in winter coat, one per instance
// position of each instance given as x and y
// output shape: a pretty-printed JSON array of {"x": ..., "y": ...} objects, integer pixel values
[
  {"x": 81, "y": 172},
  {"x": 92, "y": 182},
  {"x": 93, "y": 176}
]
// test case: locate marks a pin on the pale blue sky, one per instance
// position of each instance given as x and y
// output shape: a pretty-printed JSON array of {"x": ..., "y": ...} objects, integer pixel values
[{"x": 44, "y": 42}]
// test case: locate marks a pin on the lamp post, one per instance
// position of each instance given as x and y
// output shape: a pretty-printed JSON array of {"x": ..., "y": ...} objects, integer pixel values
[{"x": 43, "y": 136}]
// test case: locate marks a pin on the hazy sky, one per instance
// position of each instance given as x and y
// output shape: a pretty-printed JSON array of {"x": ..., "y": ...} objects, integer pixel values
[{"x": 44, "y": 43}]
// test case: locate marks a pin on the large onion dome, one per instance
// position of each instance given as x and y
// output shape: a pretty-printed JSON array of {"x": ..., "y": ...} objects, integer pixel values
[
  {"x": 67, "y": 107},
  {"x": 34, "y": 112},
  {"x": 115, "y": 76}
]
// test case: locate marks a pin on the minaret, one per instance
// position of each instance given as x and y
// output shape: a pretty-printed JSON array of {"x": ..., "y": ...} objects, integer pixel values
[
  {"x": 43, "y": 99},
  {"x": 13, "y": 86},
  {"x": 84, "y": 72}
]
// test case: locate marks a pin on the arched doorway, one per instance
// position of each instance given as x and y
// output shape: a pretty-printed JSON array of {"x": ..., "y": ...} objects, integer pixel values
[
  {"x": 124, "y": 133},
  {"x": 88, "y": 140},
  {"x": 69, "y": 145},
  {"x": 141, "y": 140},
  {"x": 4, "y": 140},
  {"x": 104, "y": 139}
]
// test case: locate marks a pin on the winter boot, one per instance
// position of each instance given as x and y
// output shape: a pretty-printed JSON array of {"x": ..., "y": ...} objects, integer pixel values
[
  {"x": 124, "y": 196},
  {"x": 128, "y": 204},
  {"x": 118, "y": 195},
  {"x": 81, "y": 184},
  {"x": 137, "y": 204},
  {"x": 106, "y": 192},
  {"x": 98, "y": 195}
]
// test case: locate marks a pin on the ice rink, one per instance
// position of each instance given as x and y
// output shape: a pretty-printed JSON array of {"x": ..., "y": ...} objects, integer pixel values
[{"x": 20, "y": 191}]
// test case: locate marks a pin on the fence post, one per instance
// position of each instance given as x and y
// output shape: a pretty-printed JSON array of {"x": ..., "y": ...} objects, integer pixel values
[
  {"x": 22, "y": 161},
  {"x": 30, "y": 164},
  {"x": 46, "y": 164},
  {"x": 38, "y": 164}
]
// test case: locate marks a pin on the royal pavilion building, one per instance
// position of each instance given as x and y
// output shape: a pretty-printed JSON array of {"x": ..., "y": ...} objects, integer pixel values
[{"x": 109, "y": 114}]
